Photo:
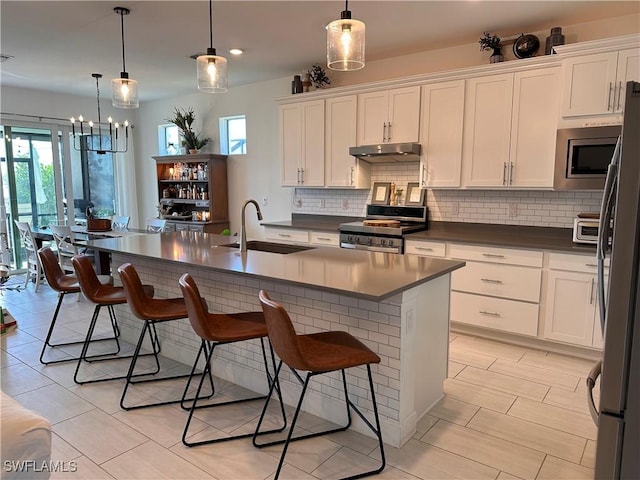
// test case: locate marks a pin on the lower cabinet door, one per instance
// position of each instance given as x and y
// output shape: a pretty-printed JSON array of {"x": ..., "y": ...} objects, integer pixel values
[{"x": 496, "y": 313}]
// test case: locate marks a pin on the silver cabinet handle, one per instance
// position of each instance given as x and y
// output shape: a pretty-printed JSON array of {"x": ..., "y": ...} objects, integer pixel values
[
  {"x": 619, "y": 95},
  {"x": 426, "y": 249},
  {"x": 298, "y": 176},
  {"x": 324, "y": 239},
  {"x": 389, "y": 131},
  {"x": 504, "y": 174},
  {"x": 511, "y": 166},
  {"x": 423, "y": 175},
  {"x": 609, "y": 102},
  {"x": 593, "y": 265},
  {"x": 489, "y": 280},
  {"x": 591, "y": 292},
  {"x": 490, "y": 314},
  {"x": 284, "y": 235},
  {"x": 302, "y": 175},
  {"x": 353, "y": 170},
  {"x": 492, "y": 255},
  {"x": 384, "y": 132}
]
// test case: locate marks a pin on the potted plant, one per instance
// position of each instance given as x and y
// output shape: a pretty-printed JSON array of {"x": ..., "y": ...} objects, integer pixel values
[
  {"x": 492, "y": 42},
  {"x": 184, "y": 119}
]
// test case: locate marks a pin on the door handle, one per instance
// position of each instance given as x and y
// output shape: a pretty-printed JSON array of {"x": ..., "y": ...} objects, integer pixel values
[
  {"x": 511, "y": 167},
  {"x": 302, "y": 175},
  {"x": 609, "y": 102},
  {"x": 352, "y": 172},
  {"x": 504, "y": 174},
  {"x": 384, "y": 132},
  {"x": 492, "y": 255},
  {"x": 490, "y": 314},
  {"x": 490, "y": 280},
  {"x": 389, "y": 131},
  {"x": 619, "y": 95},
  {"x": 591, "y": 292}
]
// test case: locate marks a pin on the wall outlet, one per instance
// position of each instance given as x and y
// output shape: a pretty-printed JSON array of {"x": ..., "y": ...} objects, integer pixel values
[
  {"x": 345, "y": 204},
  {"x": 455, "y": 208},
  {"x": 265, "y": 201},
  {"x": 513, "y": 209},
  {"x": 298, "y": 202},
  {"x": 322, "y": 203}
]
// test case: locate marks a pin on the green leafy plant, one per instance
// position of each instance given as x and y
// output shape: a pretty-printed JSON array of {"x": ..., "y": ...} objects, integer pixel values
[
  {"x": 183, "y": 119},
  {"x": 318, "y": 76},
  {"x": 489, "y": 42}
]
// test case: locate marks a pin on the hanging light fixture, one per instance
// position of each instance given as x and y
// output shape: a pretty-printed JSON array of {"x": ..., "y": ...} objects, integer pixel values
[
  {"x": 211, "y": 68},
  {"x": 89, "y": 130},
  {"x": 125, "y": 89},
  {"x": 345, "y": 42}
]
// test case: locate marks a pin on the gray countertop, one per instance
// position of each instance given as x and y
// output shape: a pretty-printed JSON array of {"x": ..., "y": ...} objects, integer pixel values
[
  {"x": 514, "y": 236},
  {"x": 368, "y": 275}
]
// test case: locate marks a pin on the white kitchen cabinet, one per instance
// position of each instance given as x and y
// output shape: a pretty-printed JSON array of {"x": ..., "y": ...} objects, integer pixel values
[
  {"x": 302, "y": 143},
  {"x": 327, "y": 239},
  {"x": 510, "y": 126},
  {"x": 441, "y": 121},
  {"x": 388, "y": 116},
  {"x": 571, "y": 314},
  {"x": 426, "y": 248},
  {"x": 342, "y": 169},
  {"x": 595, "y": 84},
  {"x": 286, "y": 235}
]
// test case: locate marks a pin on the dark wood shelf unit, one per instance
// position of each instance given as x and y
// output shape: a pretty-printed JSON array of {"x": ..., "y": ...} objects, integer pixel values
[{"x": 215, "y": 185}]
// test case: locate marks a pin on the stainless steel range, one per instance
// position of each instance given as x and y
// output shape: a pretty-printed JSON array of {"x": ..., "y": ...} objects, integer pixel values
[{"x": 384, "y": 228}]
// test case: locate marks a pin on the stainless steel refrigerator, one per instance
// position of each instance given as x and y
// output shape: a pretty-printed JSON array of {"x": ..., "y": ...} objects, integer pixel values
[{"x": 618, "y": 409}]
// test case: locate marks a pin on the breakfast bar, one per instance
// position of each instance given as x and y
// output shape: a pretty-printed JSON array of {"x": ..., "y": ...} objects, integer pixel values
[{"x": 398, "y": 305}]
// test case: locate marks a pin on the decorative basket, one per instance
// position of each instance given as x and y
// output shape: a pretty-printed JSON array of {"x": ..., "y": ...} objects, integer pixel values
[{"x": 98, "y": 225}]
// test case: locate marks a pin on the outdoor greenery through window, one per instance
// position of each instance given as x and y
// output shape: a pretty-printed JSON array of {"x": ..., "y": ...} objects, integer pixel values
[{"x": 233, "y": 135}]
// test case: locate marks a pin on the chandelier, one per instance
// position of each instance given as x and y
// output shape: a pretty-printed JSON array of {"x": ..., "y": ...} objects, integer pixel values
[
  {"x": 345, "y": 42},
  {"x": 124, "y": 89},
  {"x": 118, "y": 134},
  {"x": 211, "y": 68}
]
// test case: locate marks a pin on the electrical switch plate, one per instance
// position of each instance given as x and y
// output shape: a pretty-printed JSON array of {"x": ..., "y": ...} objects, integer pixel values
[
  {"x": 345, "y": 204},
  {"x": 322, "y": 203},
  {"x": 455, "y": 208},
  {"x": 513, "y": 209},
  {"x": 298, "y": 202}
]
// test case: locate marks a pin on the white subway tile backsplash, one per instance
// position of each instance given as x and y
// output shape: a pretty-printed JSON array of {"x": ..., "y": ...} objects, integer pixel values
[{"x": 537, "y": 208}]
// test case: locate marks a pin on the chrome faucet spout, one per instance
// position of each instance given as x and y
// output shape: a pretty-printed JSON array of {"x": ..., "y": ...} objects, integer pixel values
[{"x": 243, "y": 230}]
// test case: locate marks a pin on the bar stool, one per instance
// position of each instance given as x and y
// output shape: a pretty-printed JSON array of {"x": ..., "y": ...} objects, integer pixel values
[
  {"x": 316, "y": 353},
  {"x": 151, "y": 311},
  {"x": 102, "y": 296},
  {"x": 65, "y": 284},
  {"x": 220, "y": 329}
]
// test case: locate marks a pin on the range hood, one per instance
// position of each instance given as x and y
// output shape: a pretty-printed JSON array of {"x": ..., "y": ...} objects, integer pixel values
[{"x": 387, "y": 152}]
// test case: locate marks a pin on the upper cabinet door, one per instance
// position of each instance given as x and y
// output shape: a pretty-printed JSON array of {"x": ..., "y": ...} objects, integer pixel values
[
  {"x": 403, "y": 123},
  {"x": 340, "y": 133},
  {"x": 312, "y": 174},
  {"x": 536, "y": 101},
  {"x": 589, "y": 84},
  {"x": 373, "y": 113},
  {"x": 487, "y": 126},
  {"x": 441, "y": 123},
  {"x": 389, "y": 116},
  {"x": 628, "y": 70},
  {"x": 290, "y": 143}
]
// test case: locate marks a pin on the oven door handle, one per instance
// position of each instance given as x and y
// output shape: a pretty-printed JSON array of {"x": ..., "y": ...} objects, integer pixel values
[{"x": 382, "y": 249}]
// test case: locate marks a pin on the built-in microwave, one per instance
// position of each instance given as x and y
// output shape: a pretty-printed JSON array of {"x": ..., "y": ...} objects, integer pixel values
[{"x": 583, "y": 156}]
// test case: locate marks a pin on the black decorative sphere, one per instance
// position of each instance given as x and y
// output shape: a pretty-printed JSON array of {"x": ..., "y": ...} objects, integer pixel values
[{"x": 526, "y": 46}]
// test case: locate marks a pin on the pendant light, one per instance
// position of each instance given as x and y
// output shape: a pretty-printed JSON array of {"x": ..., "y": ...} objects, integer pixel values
[
  {"x": 345, "y": 42},
  {"x": 124, "y": 89},
  {"x": 84, "y": 135},
  {"x": 211, "y": 68}
]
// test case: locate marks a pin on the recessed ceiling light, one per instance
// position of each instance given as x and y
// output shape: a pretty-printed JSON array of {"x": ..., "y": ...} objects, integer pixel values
[{"x": 236, "y": 51}]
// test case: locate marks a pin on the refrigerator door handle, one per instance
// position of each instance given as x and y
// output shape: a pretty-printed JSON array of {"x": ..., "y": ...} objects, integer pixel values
[{"x": 594, "y": 373}]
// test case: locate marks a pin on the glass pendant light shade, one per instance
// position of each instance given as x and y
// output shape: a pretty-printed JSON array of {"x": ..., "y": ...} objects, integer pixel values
[
  {"x": 212, "y": 72},
  {"x": 345, "y": 43},
  {"x": 124, "y": 92}
]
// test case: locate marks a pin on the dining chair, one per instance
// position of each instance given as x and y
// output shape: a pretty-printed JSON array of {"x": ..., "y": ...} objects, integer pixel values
[
  {"x": 64, "y": 238},
  {"x": 120, "y": 222},
  {"x": 34, "y": 268},
  {"x": 155, "y": 225}
]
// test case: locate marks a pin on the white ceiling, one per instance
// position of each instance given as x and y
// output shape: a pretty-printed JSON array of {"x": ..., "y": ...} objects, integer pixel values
[{"x": 58, "y": 44}]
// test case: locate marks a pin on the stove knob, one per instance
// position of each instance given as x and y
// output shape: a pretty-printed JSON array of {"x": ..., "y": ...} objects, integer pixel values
[
  {"x": 383, "y": 242},
  {"x": 370, "y": 240}
]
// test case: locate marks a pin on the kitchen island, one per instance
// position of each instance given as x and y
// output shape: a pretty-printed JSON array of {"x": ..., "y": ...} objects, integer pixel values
[{"x": 398, "y": 305}]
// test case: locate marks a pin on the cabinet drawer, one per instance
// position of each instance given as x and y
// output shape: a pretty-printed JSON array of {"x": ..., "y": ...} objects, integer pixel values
[
  {"x": 527, "y": 258},
  {"x": 506, "y": 281},
  {"x": 182, "y": 227},
  {"x": 496, "y": 313},
  {"x": 287, "y": 235},
  {"x": 574, "y": 263},
  {"x": 419, "y": 247},
  {"x": 329, "y": 239},
  {"x": 196, "y": 228}
]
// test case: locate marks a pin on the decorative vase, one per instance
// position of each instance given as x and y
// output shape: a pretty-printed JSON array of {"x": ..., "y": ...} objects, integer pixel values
[
  {"x": 193, "y": 151},
  {"x": 496, "y": 56}
]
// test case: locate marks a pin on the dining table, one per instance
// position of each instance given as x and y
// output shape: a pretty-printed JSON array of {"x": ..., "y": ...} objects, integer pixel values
[{"x": 81, "y": 237}]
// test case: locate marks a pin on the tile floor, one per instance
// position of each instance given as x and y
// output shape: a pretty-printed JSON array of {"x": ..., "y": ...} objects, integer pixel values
[{"x": 509, "y": 412}]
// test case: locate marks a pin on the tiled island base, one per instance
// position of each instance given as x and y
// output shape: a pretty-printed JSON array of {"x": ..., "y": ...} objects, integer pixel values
[{"x": 409, "y": 331}]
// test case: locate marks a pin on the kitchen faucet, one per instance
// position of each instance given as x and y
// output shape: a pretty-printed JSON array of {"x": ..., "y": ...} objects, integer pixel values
[{"x": 243, "y": 231}]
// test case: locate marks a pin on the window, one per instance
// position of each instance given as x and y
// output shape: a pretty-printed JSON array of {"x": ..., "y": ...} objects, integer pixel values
[
  {"x": 233, "y": 135},
  {"x": 169, "y": 141}
]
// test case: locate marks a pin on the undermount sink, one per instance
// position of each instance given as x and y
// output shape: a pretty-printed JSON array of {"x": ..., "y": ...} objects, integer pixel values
[{"x": 270, "y": 247}]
